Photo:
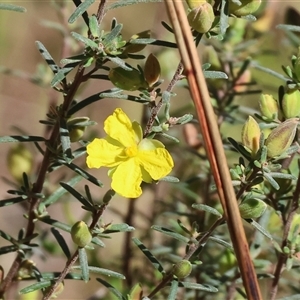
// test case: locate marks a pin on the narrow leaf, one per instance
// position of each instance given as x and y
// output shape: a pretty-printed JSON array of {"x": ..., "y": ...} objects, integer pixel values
[
  {"x": 171, "y": 233},
  {"x": 82, "y": 172},
  {"x": 81, "y": 9},
  {"x": 61, "y": 241},
  {"x": 60, "y": 75},
  {"x": 173, "y": 290},
  {"x": 21, "y": 138},
  {"x": 47, "y": 57},
  {"x": 83, "y": 264},
  {"x": 102, "y": 271},
  {"x": 12, "y": 7},
  {"x": 208, "y": 209},
  {"x": 215, "y": 74},
  {"x": 98, "y": 242},
  {"x": 87, "y": 42},
  {"x": 56, "y": 224},
  {"x": 35, "y": 287},
  {"x": 76, "y": 194},
  {"x": 156, "y": 264},
  {"x": 110, "y": 37},
  {"x": 61, "y": 191},
  {"x": 118, "y": 228},
  {"x": 198, "y": 286},
  {"x": 111, "y": 289},
  {"x": 11, "y": 201}
]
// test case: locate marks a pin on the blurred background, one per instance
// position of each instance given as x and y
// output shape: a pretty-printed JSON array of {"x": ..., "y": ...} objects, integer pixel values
[{"x": 23, "y": 103}]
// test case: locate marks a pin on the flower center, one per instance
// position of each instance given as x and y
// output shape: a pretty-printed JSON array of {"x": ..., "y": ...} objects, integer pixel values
[{"x": 131, "y": 151}]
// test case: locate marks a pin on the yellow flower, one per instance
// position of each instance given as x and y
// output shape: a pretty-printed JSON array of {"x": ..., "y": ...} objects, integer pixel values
[{"x": 131, "y": 158}]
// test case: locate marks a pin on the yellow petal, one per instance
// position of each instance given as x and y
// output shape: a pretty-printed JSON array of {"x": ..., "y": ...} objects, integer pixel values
[
  {"x": 158, "y": 163},
  {"x": 127, "y": 178},
  {"x": 119, "y": 127},
  {"x": 101, "y": 153},
  {"x": 150, "y": 144}
]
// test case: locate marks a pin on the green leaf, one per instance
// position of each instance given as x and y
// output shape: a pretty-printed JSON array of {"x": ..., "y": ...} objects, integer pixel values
[
  {"x": 35, "y": 287},
  {"x": 173, "y": 290},
  {"x": 269, "y": 71},
  {"x": 109, "y": 38},
  {"x": 221, "y": 242},
  {"x": 288, "y": 27},
  {"x": 65, "y": 141},
  {"x": 82, "y": 172},
  {"x": 171, "y": 233},
  {"x": 156, "y": 264},
  {"x": 77, "y": 195},
  {"x": 81, "y": 9},
  {"x": 120, "y": 62},
  {"x": 47, "y": 57},
  {"x": 61, "y": 241},
  {"x": 87, "y": 42},
  {"x": 12, "y": 7},
  {"x": 118, "y": 228},
  {"x": 56, "y": 224},
  {"x": 94, "y": 26},
  {"x": 11, "y": 201},
  {"x": 60, "y": 75},
  {"x": 9, "y": 249},
  {"x": 260, "y": 229},
  {"x": 111, "y": 289},
  {"x": 224, "y": 17},
  {"x": 272, "y": 181},
  {"x": 102, "y": 271},
  {"x": 83, "y": 264},
  {"x": 55, "y": 196},
  {"x": 98, "y": 242},
  {"x": 215, "y": 74},
  {"x": 54, "y": 275},
  {"x": 172, "y": 179},
  {"x": 207, "y": 208},
  {"x": 21, "y": 138},
  {"x": 198, "y": 286}
]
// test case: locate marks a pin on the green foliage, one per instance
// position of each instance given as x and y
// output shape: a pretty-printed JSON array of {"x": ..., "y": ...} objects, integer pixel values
[{"x": 175, "y": 241}]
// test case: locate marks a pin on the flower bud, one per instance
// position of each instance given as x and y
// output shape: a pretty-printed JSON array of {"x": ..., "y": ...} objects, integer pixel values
[
  {"x": 268, "y": 107},
  {"x": 182, "y": 269},
  {"x": 76, "y": 129},
  {"x": 248, "y": 7},
  {"x": 251, "y": 135},
  {"x": 291, "y": 104},
  {"x": 81, "y": 234},
  {"x": 281, "y": 138},
  {"x": 252, "y": 208},
  {"x": 19, "y": 160},
  {"x": 201, "y": 18},
  {"x": 152, "y": 70},
  {"x": 127, "y": 80},
  {"x": 194, "y": 3}
]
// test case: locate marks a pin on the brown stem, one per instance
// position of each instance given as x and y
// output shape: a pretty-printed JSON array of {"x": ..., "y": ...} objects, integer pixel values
[
  {"x": 283, "y": 257},
  {"x": 155, "y": 110},
  {"x": 127, "y": 249}
]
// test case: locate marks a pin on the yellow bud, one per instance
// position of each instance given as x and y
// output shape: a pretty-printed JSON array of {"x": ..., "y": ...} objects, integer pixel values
[
  {"x": 81, "y": 234},
  {"x": 268, "y": 107},
  {"x": 248, "y": 7},
  {"x": 251, "y": 135},
  {"x": 291, "y": 104},
  {"x": 19, "y": 160},
  {"x": 281, "y": 138},
  {"x": 182, "y": 269},
  {"x": 252, "y": 208},
  {"x": 127, "y": 80},
  {"x": 201, "y": 18},
  {"x": 152, "y": 70},
  {"x": 76, "y": 128}
]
